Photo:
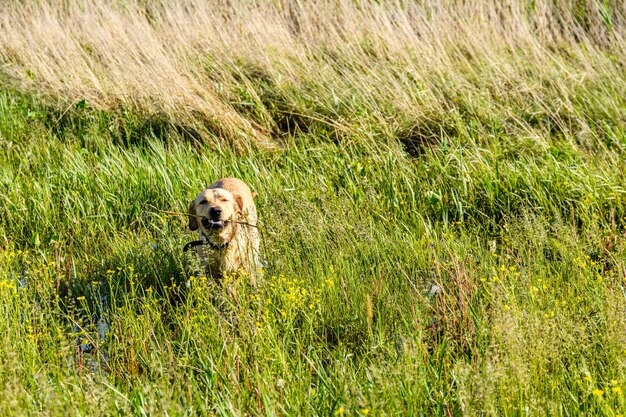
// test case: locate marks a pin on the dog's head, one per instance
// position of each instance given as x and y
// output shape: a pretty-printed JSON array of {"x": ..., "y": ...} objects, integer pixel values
[{"x": 214, "y": 212}]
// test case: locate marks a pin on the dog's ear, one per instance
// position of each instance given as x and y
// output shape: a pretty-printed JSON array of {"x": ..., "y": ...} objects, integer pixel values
[
  {"x": 239, "y": 202},
  {"x": 254, "y": 194},
  {"x": 193, "y": 220}
]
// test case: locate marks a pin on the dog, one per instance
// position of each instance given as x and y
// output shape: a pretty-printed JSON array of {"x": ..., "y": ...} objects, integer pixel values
[{"x": 225, "y": 216}]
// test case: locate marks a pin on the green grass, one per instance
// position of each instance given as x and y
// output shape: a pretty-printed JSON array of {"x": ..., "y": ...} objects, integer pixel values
[
  {"x": 527, "y": 248},
  {"x": 442, "y": 209}
]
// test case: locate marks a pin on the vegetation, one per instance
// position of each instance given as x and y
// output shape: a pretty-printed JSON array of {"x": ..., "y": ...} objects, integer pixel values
[{"x": 440, "y": 189}]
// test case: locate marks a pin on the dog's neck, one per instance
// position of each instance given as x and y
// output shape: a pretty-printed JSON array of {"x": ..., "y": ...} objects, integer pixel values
[{"x": 203, "y": 242}]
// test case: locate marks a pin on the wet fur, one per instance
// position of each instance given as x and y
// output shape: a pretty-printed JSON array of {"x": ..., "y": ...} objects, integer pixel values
[{"x": 236, "y": 201}]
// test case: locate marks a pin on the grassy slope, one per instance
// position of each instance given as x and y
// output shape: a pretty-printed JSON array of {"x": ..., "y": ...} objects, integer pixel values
[{"x": 512, "y": 202}]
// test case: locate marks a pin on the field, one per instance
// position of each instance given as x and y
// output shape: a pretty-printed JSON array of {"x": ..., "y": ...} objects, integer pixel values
[{"x": 441, "y": 190}]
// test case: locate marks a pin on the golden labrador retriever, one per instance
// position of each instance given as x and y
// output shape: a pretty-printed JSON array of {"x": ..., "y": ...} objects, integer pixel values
[{"x": 226, "y": 218}]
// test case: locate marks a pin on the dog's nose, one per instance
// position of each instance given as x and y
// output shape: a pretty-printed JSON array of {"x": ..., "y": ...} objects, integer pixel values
[{"x": 214, "y": 213}]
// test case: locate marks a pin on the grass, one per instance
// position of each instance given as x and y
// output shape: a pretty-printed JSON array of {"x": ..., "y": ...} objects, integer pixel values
[{"x": 441, "y": 196}]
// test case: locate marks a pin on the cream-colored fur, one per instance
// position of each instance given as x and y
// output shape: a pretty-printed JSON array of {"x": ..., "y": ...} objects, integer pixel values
[{"x": 218, "y": 213}]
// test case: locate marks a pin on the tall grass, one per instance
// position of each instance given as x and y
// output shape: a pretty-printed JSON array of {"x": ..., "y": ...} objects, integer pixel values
[
  {"x": 441, "y": 198},
  {"x": 250, "y": 73}
]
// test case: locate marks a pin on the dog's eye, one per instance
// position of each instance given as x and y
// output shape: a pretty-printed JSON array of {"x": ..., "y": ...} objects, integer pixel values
[{"x": 203, "y": 202}]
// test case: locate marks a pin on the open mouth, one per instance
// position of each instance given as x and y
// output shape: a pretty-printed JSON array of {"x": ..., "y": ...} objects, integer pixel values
[{"x": 213, "y": 224}]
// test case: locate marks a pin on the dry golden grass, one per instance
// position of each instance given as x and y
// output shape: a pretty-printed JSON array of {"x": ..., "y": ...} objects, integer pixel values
[{"x": 242, "y": 71}]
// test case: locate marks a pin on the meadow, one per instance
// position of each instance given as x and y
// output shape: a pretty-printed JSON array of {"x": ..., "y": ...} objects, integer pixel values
[{"x": 441, "y": 193}]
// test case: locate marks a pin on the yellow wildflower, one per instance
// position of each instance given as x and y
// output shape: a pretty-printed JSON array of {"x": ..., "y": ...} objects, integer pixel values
[{"x": 597, "y": 392}]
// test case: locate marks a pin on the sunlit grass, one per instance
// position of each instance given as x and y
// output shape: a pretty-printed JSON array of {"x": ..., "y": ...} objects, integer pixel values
[
  {"x": 441, "y": 198},
  {"x": 97, "y": 295}
]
